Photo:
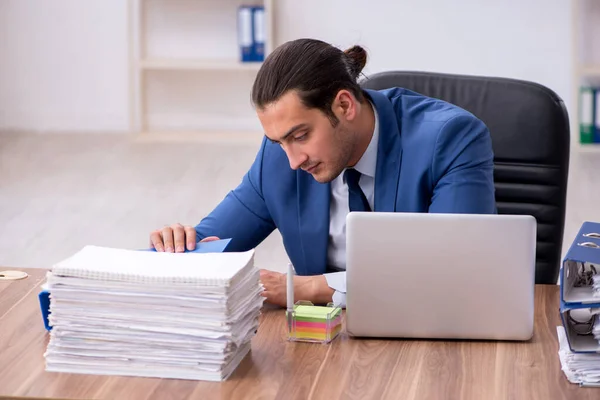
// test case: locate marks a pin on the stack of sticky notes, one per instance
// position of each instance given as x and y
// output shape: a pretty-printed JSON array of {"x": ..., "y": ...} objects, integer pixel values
[{"x": 316, "y": 323}]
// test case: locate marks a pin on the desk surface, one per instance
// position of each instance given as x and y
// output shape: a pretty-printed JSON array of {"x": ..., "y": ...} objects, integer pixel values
[{"x": 346, "y": 368}]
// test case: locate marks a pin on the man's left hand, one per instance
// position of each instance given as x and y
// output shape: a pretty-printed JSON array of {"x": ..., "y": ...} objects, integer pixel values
[{"x": 311, "y": 288}]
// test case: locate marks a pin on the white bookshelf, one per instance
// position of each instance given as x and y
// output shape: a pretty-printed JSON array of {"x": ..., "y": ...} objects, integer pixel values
[
  {"x": 187, "y": 80},
  {"x": 590, "y": 70},
  {"x": 586, "y": 60}
]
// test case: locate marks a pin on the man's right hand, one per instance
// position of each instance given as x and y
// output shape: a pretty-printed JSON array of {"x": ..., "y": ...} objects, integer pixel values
[{"x": 176, "y": 238}]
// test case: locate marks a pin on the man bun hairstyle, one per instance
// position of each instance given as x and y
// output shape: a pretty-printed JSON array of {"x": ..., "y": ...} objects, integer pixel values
[
  {"x": 357, "y": 59},
  {"x": 313, "y": 68}
]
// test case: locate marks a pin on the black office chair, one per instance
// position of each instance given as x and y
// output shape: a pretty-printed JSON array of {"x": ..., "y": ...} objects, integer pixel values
[{"x": 529, "y": 126}]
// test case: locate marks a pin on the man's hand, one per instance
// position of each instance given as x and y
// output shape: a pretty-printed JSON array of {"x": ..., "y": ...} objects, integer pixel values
[
  {"x": 176, "y": 238},
  {"x": 311, "y": 288}
]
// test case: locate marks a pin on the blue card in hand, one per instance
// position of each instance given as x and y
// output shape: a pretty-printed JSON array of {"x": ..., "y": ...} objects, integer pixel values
[{"x": 216, "y": 246}]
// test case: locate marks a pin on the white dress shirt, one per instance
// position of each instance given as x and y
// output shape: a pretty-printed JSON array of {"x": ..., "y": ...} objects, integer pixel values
[{"x": 338, "y": 210}]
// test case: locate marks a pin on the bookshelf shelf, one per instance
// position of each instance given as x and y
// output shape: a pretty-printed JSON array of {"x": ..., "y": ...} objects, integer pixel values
[
  {"x": 198, "y": 65},
  {"x": 589, "y": 148},
  {"x": 590, "y": 71},
  {"x": 200, "y": 136}
]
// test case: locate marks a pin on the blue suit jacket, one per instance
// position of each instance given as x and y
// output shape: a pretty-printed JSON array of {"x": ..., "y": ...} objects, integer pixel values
[{"x": 432, "y": 157}]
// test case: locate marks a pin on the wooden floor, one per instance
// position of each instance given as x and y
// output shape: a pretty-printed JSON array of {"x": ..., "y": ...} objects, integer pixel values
[{"x": 61, "y": 192}]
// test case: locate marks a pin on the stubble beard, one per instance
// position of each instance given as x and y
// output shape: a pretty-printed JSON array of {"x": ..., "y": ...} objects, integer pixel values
[{"x": 343, "y": 144}]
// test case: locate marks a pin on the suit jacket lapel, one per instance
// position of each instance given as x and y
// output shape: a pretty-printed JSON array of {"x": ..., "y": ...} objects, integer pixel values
[
  {"x": 389, "y": 154},
  {"x": 313, "y": 221}
]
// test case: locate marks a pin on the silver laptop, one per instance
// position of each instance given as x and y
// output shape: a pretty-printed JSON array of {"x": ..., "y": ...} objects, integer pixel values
[{"x": 446, "y": 276}]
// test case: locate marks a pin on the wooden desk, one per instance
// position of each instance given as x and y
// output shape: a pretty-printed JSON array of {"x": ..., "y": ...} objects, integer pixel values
[{"x": 347, "y": 368}]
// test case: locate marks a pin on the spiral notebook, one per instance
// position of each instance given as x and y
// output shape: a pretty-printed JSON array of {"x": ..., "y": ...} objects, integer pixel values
[{"x": 112, "y": 264}]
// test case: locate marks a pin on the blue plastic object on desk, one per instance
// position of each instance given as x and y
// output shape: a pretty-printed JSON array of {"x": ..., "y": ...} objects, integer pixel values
[
  {"x": 216, "y": 246},
  {"x": 44, "y": 297}
]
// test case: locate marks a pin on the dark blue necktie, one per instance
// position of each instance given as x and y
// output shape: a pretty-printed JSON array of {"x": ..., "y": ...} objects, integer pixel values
[{"x": 356, "y": 198}]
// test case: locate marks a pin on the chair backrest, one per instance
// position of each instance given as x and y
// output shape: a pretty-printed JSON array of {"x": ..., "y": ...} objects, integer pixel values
[{"x": 529, "y": 126}]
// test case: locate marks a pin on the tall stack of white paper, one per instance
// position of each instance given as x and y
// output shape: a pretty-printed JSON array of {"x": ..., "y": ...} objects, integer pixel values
[
  {"x": 137, "y": 313},
  {"x": 582, "y": 368}
]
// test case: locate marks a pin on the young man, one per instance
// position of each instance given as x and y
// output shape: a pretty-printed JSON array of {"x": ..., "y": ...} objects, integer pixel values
[{"x": 331, "y": 148}]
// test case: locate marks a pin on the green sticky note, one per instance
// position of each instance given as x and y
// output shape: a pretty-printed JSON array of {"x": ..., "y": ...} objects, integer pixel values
[{"x": 315, "y": 312}]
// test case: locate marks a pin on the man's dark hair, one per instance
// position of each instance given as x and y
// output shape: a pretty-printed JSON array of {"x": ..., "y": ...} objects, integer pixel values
[{"x": 315, "y": 69}]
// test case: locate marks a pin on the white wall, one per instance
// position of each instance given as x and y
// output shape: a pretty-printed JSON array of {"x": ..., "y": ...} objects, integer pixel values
[
  {"x": 64, "y": 64},
  {"x": 510, "y": 38}
]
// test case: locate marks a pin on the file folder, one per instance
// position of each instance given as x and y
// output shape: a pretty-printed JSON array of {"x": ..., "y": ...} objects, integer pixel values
[
  {"x": 578, "y": 322},
  {"x": 596, "y": 115},
  {"x": 579, "y": 307},
  {"x": 245, "y": 35},
  {"x": 586, "y": 115},
  {"x": 258, "y": 33},
  {"x": 582, "y": 258}
]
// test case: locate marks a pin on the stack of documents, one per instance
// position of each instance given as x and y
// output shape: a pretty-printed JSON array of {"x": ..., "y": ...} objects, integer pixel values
[
  {"x": 166, "y": 315},
  {"x": 582, "y": 368}
]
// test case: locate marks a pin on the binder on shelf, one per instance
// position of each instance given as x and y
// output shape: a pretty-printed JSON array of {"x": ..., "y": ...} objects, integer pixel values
[
  {"x": 245, "y": 35},
  {"x": 597, "y": 115},
  {"x": 586, "y": 115},
  {"x": 258, "y": 33}
]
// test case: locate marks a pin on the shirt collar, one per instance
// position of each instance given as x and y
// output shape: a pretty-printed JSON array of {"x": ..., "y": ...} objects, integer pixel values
[{"x": 367, "y": 164}]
